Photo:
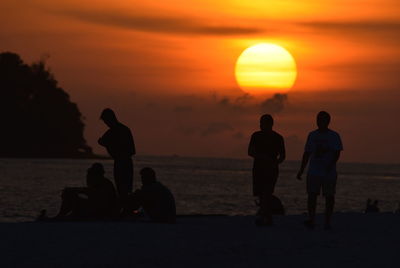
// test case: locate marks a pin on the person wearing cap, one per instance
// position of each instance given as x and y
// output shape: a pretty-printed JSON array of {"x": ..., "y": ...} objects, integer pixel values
[{"x": 118, "y": 141}]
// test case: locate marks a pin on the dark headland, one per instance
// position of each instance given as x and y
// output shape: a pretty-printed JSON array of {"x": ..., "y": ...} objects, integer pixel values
[{"x": 38, "y": 118}]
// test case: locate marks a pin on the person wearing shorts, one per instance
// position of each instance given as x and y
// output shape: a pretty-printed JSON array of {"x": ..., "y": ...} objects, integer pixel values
[{"x": 322, "y": 151}]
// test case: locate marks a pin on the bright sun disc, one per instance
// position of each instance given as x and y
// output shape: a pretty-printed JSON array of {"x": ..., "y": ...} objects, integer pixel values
[{"x": 265, "y": 68}]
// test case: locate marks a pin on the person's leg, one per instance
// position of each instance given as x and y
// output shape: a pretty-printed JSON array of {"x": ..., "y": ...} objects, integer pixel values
[
  {"x": 272, "y": 178},
  {"x": 123, "y": 175},
  {"x": 329, "y": 205},
  {"x": 117, "y": 176},
  {"x": 313, "y": 190},
  {"x": 312, "y": 206},
  {"x": 268, "y": 208},
  {"x": 266, "y": 197},
  {"x": 257, "y": 192},
  {"x": 329, "y": 190},
  {"x": 68, "y": 202},
  {"x": 129, "y": 175},
  {"x": 82, "y": 209},
  {"x": 263, "y": 216}
]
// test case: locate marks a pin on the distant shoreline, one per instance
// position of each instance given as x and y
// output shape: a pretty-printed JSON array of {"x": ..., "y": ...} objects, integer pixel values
[
  {"x": 91, "y": 156},
  {"x": 105, "y": 157}
]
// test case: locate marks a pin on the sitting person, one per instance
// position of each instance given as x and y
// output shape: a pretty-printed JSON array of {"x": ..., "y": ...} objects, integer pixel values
[
  {"x": 96, "y": 201},
  {"x": 156, "y": 200},
  {"x": 372, "y": 208}
]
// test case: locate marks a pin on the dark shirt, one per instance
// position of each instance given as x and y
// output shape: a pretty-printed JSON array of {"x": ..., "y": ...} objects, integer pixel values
[
  {"x": 267, "y": 147},
  {"x": 102, "y": 197},
  {"x": 118, "y": 141},
  {"x": 157, "y": 201}
]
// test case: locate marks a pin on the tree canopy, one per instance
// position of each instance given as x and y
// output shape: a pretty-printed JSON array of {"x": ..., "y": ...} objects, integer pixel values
[{"x": 37, "y": 117}]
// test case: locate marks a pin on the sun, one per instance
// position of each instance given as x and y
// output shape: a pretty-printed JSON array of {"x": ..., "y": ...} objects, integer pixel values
[{"x": 265, "y": 68}]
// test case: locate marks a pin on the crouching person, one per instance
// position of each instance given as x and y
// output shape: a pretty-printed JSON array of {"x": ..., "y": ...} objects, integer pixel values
[
  {"x": 96, "y": 201},
  {"x": 156, "y": 200}
]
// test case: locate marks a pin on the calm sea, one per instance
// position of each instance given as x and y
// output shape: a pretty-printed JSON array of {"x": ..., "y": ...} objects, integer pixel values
[{"x": 200, "y": 185}]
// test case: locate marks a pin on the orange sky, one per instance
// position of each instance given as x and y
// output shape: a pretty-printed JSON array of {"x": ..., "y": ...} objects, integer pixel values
[{"x": 167, "y": 68}]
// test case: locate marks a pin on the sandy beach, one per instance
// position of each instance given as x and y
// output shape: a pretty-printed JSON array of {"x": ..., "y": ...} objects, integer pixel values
[{"x": 357, "y": 240}]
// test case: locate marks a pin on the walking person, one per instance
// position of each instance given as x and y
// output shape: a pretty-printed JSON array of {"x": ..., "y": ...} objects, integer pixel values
[
  {"x": 268, "y": 151},
  {"x": 322, "y": 150}
]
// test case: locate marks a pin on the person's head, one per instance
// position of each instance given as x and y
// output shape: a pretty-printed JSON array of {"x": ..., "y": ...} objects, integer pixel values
[
  {"x": 109, "y": 117},
  {"x": 94, "y": 174},
  {"x": 323, "y": 120},
  {"x": 148, "y": 175},
  {"x": 266, "y": 122}
]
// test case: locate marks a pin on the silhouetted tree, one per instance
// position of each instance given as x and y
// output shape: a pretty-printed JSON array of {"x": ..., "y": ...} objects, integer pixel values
[{"x": 37, "y": 117}]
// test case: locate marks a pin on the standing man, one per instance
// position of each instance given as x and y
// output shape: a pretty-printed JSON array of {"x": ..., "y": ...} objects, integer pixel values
[
  {"x": 268, "y": 150},
  {"x": 322, "y": 149},
  {"x": 119, "y": 143}
]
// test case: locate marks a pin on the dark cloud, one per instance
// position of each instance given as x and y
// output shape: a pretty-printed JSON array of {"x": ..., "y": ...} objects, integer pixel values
[
  {"x": 216, "y": 128},
  {"x": 160, "y": 24},
  {"x": 246, "y": 104},
  {"x": 186, "y": 130},
  {"x": 182, "y": 109},
  {"x": 186, "y": 25},
  {"x": 238, "y": 104},
  {"x": 238, "y": 135},
  {"x": 351, "y": 26},
  {"x": 275, "y": 104},
  {"x": 375, "y": 32}
]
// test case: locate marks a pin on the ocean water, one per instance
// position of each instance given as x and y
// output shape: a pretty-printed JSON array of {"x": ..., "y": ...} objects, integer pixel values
[{"x": 200, "y": 185}]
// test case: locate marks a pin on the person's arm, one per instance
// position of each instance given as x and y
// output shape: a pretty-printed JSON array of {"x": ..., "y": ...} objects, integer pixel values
[
  {"x": 132, "y": 143},
  {"x": 306, "y": 155},
  {"x": 304, "y": 162},
  {"x": 338, "y": 147},
  {"x": 76, "y": 190},
  {"x": 252, "y": 148},
  {"x": 282, "y": 152},
  {"x": 136, "y": 200},
  {"x": 103, "y": 139}
]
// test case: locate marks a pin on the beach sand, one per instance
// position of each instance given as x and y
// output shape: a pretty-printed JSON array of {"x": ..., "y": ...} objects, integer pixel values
[{"x": 357, "y": 240}]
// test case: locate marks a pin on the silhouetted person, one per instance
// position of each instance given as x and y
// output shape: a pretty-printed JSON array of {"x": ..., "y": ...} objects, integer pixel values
[
  {"x": 268, "y": 150},
  {"x": 119, "y": 143},
  {"x": 322, "y": 150},
  {"x": 96, "y": 201},
  {"x": 372, "y": 207},
  {"x": 156, "y": 199}
]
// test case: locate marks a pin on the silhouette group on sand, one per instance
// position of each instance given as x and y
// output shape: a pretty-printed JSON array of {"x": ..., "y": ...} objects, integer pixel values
[{"x": 100, "y": 200}]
